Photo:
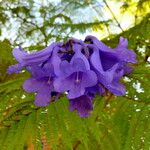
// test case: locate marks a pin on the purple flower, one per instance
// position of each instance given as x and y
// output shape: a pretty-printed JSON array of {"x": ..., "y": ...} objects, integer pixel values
[
  {"x": 107, "y": 74},
  {"x": 26, "y": 59},
  {"x": 41, "y": 65},
  {"x": 121, "y": 52},
  {"x": 75, "y": 75},
  {"x": 111, "y": 64},
  {"x": 14, "y": 68},
  {"x": 42, "y": 86},
  {"x": 41, "y": 82},
  {"x": 82, "y": 104},
  {"x": 83, "y": 69}
]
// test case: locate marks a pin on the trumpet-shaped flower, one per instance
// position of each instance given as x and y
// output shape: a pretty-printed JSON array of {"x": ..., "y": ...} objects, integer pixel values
[
  {"x": 75, "y": 75},
  {"x": 83, "y": 69}
]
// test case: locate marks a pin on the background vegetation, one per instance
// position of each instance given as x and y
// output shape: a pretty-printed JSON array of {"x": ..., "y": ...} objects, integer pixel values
[{"x": 117, "y": 123}]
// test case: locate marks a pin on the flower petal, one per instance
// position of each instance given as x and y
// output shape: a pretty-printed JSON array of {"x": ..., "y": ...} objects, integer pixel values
[
  {"x": 116, "y": 88},
  {"x": 76, "y": 91},
  {"x": 19, "y": 54},
  {"x": 40, "y": 72},
  {"x": 77, "y": 48},
  {"x": 100, "y": 45},
  {"x": 34, "y": 85},
  {"x": 78, "y": 65},
  {"x": 123, "y": 53},
  {"x": 63, "y": 84},
  {"x": 89, "y": 79},
  {"x": 66, "y": 68},
  {"x": 123, "y": 42},
  {"x": 95, "y": 60},
  {"x": 82, "y": 104},
  {"x": 43, "y": 97},
  {"x": 34, "y": 58},
  {"x": 14, "y": 69},
  {"x": 97, "y": 89},
  {"x": 108, "y": 59},
  {"x": 55, "y": 60}
]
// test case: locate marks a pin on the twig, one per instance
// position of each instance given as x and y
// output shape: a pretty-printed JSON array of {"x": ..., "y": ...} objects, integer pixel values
[
  {"x": 102, "y": 17},
  {"x": 113, "y": 15}
]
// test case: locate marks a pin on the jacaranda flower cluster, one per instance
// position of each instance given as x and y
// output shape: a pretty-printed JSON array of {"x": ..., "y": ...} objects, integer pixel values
[{"x": 80, "y": 69}]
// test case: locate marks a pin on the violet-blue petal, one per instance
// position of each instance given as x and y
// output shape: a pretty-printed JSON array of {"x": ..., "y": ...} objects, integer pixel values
[
  {"x": 76, "y": 91},
  {"x": 56, "y": 60},
  {"x": 78, "y": 64},
  {"x": 77, "y": 48},
  {"x": 79, "y": 77},
  {"x": 123, "y": 42},
  {"x": 43, "y": 97},
  {"x": 35, "y": 57},
  {"x": 113, "y": 85},
  {"x": 36, "y": 71},
  {"x": 108, "y": 60},
  {"x": 19, "y": 54},
  {"x": 127, "y": 70},
  {"x": 42, "y": 88},
  {"x": 68, "y": 84},
  {"x": 49, "y": 69},
  {"x": 66, "y": 68},
  {"x": 97, "y": 64},
  {"x": 82, "y": 104},
  {"x": 34, "y": 85},
  {"x": 89, "y": 78},
  {"x": 123, "y": 53},
  {"x": 108, "y": 77},
  {"x": 98, "y": 43},
  {"x": 63, "y": 84},
  {"x": 125, "y": 67},
  {"x": 44, "y": 54},
  {"x": 96, "y": 89},
  {"x": 116, "y": 87},
  {"x": 14, "y": 68}
]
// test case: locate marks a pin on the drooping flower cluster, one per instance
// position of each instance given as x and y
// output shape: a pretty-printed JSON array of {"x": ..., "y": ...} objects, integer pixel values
[{"x": 79, "y": 68}]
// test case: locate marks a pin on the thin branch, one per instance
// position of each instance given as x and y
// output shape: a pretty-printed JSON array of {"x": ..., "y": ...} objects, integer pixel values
[
  {"x": 113, "y": 15},
  {"x": 39, "y": 28},
  {"x": 102, "y": 17}
]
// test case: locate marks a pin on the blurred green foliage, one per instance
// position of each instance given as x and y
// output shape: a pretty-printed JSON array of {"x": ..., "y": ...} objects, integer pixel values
[{"x": 117, "y": 123}]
